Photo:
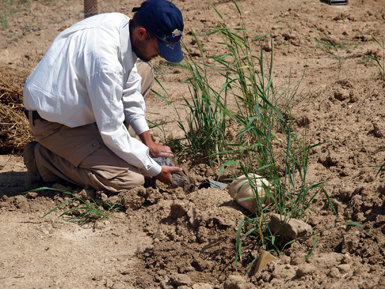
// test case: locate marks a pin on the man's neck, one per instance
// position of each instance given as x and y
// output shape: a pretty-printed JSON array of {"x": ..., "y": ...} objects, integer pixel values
[{"x": 130, "y": 27}]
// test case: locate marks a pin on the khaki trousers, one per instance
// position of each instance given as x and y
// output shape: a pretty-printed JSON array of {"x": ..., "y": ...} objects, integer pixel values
[{"x": 79, "y": 156}]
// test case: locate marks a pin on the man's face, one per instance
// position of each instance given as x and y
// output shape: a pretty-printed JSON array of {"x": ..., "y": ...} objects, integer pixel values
[{"x": 145, "y": 46}]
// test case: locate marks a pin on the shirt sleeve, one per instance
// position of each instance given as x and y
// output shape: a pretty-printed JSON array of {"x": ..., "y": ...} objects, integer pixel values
[
  {"x": 104, "y": 85},
  {"x": 134, "y": 104}
]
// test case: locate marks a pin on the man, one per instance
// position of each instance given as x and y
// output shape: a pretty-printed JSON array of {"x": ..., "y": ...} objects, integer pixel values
[{"x": 86, "y": 91}]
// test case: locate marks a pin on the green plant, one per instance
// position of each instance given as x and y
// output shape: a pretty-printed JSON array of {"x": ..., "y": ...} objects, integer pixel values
[
  {"x": 9, "y": 8},
  {"x": 265, "y": 141},
  {"x": 380, "y": 64},
  {"x": 205, "y": 131},
  {"x": 331, "y": 47},
  {"x": 326, "y": 43},
  {"x": 380, "y": 169},
  {"x": 316, "y": 234},
  {"x": 172, "y": 142},
  {"x": 3, "y": 21},
  {"x": 3, "y": 14},
  {"x": 79, "y": 210}
]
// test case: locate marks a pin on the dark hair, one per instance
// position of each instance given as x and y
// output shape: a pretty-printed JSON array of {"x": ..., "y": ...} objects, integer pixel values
[{"x": 134, "y": 23}]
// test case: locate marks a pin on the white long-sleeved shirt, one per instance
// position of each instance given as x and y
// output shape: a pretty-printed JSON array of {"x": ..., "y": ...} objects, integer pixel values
[{"x": 89, "y": 75}]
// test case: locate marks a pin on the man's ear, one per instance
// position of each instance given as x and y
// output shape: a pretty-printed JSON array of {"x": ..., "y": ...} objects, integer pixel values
[{"x": 140, "y": 33}]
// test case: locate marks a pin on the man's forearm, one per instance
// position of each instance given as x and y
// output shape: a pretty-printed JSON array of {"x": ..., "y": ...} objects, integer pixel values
[{"x": 146, "y": 138}]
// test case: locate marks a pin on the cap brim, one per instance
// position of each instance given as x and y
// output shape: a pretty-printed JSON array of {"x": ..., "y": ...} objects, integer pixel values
[{"x": 171, "y": 52}]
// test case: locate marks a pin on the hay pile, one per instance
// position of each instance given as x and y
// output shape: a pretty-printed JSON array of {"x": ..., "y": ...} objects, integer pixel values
[{"x": 14, "y": 130}]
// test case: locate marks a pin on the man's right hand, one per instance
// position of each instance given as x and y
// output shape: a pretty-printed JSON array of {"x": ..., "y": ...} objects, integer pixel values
[{"x": 165, "y": 176}]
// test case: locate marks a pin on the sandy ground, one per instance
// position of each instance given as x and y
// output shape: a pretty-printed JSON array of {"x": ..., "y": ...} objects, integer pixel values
[{"x": 166, "y": 238}]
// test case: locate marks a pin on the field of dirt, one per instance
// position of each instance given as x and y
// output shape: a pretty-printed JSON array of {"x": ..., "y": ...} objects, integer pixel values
[{"x": 166, "y": 238}]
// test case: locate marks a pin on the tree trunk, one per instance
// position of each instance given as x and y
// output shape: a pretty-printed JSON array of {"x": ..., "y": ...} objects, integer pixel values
[{"x": 90, "y": 8}]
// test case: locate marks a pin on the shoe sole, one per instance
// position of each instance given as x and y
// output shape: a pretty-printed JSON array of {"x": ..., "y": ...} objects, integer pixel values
[{"x": 33, "y": 175}]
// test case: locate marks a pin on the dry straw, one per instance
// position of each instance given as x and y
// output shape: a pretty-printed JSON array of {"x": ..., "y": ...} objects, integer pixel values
[{"x": 14, "y": 129}]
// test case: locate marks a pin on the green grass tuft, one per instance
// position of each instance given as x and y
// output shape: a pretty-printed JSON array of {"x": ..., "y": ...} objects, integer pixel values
[
  {"x": 79, "y": 210},
  {"x": 379, "y": 64}
]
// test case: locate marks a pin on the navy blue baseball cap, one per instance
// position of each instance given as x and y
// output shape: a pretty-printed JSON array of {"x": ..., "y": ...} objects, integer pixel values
[{"x": 163, "y": 20}]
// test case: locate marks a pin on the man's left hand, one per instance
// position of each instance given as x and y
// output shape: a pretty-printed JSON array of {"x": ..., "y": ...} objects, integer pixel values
[{"x": 157, "y": 150}]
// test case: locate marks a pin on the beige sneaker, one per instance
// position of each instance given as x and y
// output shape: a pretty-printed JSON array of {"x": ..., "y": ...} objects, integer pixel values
[{"x": 33, "y": 175}]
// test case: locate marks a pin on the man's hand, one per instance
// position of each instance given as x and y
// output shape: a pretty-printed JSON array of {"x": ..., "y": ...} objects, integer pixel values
[
  {"x": 165, "y": 176},
  {"x": 156, "y": 150}
]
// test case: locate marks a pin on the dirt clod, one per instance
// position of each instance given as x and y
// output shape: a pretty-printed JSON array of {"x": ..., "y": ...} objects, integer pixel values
[
  {"x": 237, "y": 282},
  {"x": 289, "y": 230}
]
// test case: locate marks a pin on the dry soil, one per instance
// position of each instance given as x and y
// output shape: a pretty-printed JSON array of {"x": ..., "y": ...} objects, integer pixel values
[{"x": 165, "y": 238}]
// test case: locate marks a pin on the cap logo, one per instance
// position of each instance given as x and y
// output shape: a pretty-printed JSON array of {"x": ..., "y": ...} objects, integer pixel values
[{"x": 176, "y": 33}]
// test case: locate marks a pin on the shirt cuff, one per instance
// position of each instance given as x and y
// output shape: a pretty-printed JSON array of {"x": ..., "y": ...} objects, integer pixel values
[
  {"x": 154, "y": 170},
  {"x": 139, "y": 125}
]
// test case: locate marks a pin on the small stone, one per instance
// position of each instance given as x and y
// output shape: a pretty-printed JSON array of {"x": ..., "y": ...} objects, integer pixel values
[
  {"x": 199, "y": 264},
  {"x": 267, "y": 46},
  {"x": 305, "y": 269},
  {"x": 115, "y": 199},
  {"x": 237, "y": 282},
  {"x": 359, "y": 271},
  {"x": 202, "y": 286},
  {"x": 378, "y": 129},
  {"x": 381, "y": 189},
  {"x": 132, "y": 199},
  {"x": 163, "y": 285},
  {"x": 195, "y": 217},
  {"x": 297, "y": 260},
  {"x": 285, "y": 259},
  {"x": 334, "y": 272},
  {"x": 359, "y": 217},
  {"x": 87, "y": 194},
  {"x": 303, "y": 121},
  {"x": 20, "y": 202},
  {"x": 177, "y": 210},
  {"x": 284, "y": 272},
  {"x": 345, "y": 193},
  {"x": 265, "y": 276},
  {"x": 353, "y": 97},
  {"x": 109, "y": 283},
  {"x": 31, "y": 195},
  {"x": 341, "y": 94},
  {"x": 344, "y": 268},
  {"x": 290, "y": 230},
  {"x": 99, "y": 195},
  {"x": 264, "y": 259},
  {"x": 329, "y": 160},
  {"x": 346, "y": 259},
  {"x": 209, "y": 171},
  {"x": 180, "y": 280},
  {"x": 244, "y": 189}
]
